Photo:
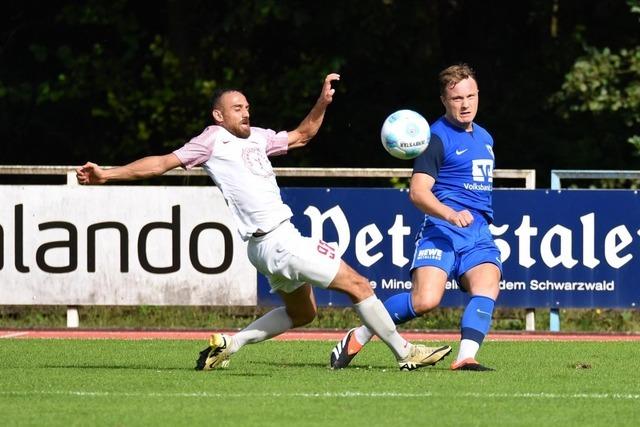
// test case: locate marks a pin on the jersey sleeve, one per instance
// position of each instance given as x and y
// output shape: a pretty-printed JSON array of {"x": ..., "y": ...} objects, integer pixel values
[
  {"x": 430, "y": 160},
  {"x": 198, "y": 150},
  {"x": 277, "y": 143}
]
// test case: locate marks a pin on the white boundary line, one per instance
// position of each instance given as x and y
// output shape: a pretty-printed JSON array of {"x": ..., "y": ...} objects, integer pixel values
[
  {"x": 344, "y": 394},
  {"x": 14, "y": 335}
]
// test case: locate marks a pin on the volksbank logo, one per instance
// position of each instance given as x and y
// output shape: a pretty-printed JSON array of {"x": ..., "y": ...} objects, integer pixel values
[
  {"x": 482, "y": 173},
  {"x": 482, "y": 170},
  {"x": 477, "y": 187}
]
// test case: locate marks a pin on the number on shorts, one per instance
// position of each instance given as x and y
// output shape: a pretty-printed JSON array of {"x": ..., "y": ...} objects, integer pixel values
[{"x": 324, "y": 249}]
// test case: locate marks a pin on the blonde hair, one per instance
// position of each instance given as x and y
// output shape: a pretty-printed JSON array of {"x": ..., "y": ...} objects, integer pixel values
[{"x": 451, "y": 76}]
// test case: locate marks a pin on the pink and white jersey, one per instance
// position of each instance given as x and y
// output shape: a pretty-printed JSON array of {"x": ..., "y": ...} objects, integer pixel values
[{"x": 241, "y": 169}]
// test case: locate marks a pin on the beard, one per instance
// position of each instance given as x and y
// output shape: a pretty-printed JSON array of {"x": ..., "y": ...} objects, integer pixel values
[{"x": 241, "y": 130}]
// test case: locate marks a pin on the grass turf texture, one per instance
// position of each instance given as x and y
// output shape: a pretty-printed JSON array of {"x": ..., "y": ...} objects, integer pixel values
[{"x": 152, "y": 382}]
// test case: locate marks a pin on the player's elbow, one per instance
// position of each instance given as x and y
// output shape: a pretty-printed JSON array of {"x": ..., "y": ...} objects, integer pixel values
[
  {"x": 302, "y": 142},
  {"x": 414, "y": 196},
  {"x": 160, "y": 169},
  {"x": 164, "y": 164},
  {"x": 303, "y": 138},
  {"x": 150, "y": 172}
]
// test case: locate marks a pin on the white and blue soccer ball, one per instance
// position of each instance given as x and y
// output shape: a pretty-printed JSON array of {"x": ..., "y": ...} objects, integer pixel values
[{"x": 405, "y": 134}]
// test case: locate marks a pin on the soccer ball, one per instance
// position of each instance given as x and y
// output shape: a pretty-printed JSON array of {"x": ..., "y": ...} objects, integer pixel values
[{"x": 405, "y": 134}]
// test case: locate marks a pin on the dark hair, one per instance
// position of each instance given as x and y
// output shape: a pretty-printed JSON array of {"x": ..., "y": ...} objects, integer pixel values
[
  {"x": 218, "y": 93},
  {"x": 454, "y": 74}
]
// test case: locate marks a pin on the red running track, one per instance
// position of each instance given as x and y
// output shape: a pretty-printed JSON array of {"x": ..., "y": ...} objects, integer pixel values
[{"x": 310, "y": 334}]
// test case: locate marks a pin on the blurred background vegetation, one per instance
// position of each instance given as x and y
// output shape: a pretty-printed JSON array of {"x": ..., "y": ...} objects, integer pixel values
[
  {"x": 206, "y": 318},
  {"x": 110, "y": 81}
]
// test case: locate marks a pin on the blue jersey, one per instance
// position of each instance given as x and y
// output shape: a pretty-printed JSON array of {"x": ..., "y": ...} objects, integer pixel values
[{"x": 461, "y": 163}]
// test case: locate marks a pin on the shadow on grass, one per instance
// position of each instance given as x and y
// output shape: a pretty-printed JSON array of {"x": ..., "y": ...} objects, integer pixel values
[
  {"x": 325, "y": 366},
  {"x": 114, "y": 366},
  {"x": 226, "y": 372},
  {"x": 292, "y": 364},
  {"x": 354, "y": 367}
]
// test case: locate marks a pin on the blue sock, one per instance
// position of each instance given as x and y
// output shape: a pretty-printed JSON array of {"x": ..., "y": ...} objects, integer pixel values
[
  {"x": 400, "y": 308},
  {"x": 476, "y": 319}
]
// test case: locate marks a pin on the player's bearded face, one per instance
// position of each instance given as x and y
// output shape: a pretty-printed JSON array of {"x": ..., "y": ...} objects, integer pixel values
[
  {"x": 233, "y": 114},
  {"x": 461, "y": 103}
]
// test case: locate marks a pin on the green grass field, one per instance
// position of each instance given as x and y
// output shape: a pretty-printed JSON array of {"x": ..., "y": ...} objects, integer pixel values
[{"x": 152, "y": 382}]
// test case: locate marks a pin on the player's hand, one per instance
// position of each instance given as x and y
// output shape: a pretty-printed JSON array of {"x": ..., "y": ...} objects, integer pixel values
[
  {"x": 461, "y": 219},
  {"x": 326, "y": 96},
  {"x": 89, "y": 174}
]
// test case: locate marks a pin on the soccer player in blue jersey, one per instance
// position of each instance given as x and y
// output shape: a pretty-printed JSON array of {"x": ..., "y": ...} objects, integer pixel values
[{"x": 451, "y": 184}]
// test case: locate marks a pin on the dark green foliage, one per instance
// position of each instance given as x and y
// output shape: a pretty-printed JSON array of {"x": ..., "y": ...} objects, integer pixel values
[{"x": 114, "y": 80}]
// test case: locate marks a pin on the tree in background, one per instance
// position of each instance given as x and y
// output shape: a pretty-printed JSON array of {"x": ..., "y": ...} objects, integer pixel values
[
  {"x": 111, "y": 80},
  {"x": 606, "y": 83}
]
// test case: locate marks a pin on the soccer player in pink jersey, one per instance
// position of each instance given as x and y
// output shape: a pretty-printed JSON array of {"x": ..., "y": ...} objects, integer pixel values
[{"x": 236, "y": 157}]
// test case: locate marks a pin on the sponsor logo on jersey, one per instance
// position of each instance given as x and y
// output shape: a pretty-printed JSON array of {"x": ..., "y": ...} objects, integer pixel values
[{"x": 430, "y": 253}]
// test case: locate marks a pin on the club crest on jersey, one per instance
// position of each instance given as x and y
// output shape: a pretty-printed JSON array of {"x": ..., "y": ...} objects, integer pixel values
[{"x": 255, "y": 159}]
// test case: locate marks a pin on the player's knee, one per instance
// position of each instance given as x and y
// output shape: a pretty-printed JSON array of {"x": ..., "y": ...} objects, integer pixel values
[
  {"x": 489, "y": 290},
  {"x": 358, "y": 289},
  {"x": 424, "y": 303},
  {"x": 353, "y": 284},
  {"x": 361, "y": 288}
]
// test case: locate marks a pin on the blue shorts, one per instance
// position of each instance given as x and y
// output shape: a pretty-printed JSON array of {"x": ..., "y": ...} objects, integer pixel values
[{"x": 453, "y": 249}]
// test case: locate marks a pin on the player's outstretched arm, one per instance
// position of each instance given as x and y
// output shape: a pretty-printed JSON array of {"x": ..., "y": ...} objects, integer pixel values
[
  {"x": 147, "y": 167},
  {"x": 309, "y": 127},
  {"x": 423, "y": 198}
]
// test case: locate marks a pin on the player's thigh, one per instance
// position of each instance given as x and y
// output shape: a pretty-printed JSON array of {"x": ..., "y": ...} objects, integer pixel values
[
  {"x": 483, "y": 279},
  {"x": 289, "y": 259},
  {"x": 300, "y": 304},
  {"x": 311, "y": 261},
  {"x": 428, "y": 287},
  {"x": 435, "y": 249}
]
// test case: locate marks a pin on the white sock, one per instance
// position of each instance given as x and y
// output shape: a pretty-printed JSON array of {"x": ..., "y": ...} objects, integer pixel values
[
  {"x": 468, "y": 349},
  {"x": 271, "y": 324},
  {"x": 377, "y": 319},
  {"x": 363, "y": 334}
]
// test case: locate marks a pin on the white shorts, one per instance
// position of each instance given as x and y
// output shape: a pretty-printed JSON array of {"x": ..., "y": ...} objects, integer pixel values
[{"x": 290, "y": 260}]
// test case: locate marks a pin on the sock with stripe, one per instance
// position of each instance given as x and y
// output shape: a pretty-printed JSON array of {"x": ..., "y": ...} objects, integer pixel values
[
  {"x": 400, "y": 308},
  {"x": 475, "y": 324}
]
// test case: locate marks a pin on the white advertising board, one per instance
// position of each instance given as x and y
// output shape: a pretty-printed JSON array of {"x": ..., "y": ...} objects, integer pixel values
[{"x": 121, "y": 245}]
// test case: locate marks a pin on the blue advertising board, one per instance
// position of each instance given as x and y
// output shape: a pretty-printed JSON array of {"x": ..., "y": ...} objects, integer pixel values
[{"x": 560, "y": 248}]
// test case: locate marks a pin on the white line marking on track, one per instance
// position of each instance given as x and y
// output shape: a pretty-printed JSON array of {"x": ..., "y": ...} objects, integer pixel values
[
  {"x": 344, "y": 394},
  {"x": 14, "y": 334}
]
